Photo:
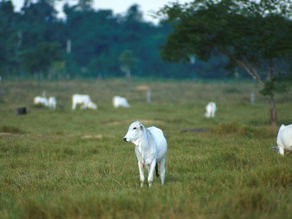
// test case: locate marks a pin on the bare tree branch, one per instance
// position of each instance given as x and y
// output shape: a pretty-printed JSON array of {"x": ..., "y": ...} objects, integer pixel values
[{"x": 249, "y": 69}]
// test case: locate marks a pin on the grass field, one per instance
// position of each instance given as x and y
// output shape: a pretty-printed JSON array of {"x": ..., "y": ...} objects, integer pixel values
[{"x": 64, "y": 164}]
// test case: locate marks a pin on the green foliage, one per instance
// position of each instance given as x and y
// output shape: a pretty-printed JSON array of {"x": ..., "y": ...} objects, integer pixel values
[
  {"x": 85, "y": 4},
  {"x": 134, "y": 14},
  {"x": 8, "y": 35},
  {"x": 41, "y": 58},
  {"x": 279, "y": 84},
  {"x": 127, "y": 59},
  {"x": 252, "y": 35},
  {"x": 98, "y": 38}
]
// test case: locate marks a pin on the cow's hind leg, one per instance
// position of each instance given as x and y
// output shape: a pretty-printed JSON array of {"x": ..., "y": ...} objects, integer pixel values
[
  {"x": 162, "y": 170},
  {"x": 156, "y": 170}
]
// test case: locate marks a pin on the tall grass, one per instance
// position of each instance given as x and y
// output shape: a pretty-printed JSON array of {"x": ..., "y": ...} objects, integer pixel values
[{"x": 64, "y": 164}]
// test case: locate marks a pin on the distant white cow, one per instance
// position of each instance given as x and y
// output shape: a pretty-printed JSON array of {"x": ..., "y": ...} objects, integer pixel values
[
  {"x": 284, "y": 139},
  {"x": 90, "y": 105},
  {"x": 120, "y": 102},
  {"x": 83, "y": 100},
  {"x": 52, "y": 103},
  {"x": 210, "y": 110},
  {"x": 151, "y": 148},
  {"x": 41, "y": 101}
]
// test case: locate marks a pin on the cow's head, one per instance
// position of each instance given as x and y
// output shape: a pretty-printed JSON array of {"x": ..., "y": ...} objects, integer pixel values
[
  {"x": 91, "y": 105},
  {"x": 135, "y": 131}
]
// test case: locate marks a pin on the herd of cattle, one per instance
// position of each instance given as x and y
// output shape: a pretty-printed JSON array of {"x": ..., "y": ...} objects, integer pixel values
[
  {"x": 153, "y": 135},
  {"x": 151, "y": 145},
  {"x": 83, "y": 100}
]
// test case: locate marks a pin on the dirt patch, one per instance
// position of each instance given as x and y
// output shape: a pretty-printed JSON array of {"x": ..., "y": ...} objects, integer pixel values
[
  {"x": 142, "y": 87},
  {"x": 5, "y": 133},
  {"x": 97, "y": 136},
  {"x": 11, "y": 130},
  {"x": 198, "y": 130}
]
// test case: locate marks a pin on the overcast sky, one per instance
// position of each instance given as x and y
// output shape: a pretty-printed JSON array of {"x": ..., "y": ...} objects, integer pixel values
[{"x": 118, "y": 6}]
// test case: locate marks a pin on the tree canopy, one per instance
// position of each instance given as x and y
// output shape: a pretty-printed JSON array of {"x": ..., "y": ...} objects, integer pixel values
[{"x": 255, "y": 37}]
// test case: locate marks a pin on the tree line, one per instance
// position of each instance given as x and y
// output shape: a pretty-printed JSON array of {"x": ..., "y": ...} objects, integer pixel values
[{"x": 89, "y": 43}]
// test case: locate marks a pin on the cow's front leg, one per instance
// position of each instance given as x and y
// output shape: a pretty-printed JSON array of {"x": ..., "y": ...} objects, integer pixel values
[
  {"x": 141, "y": 172},
  {"x": 281, "y": 151},
  {"x": 83, "y": 106},
  {"x": 73, "y": 106},
  {"x": 151, "y": 172}
]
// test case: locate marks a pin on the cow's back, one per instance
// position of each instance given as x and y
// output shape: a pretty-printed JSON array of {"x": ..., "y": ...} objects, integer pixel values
[
  {"x": 120, "y": 101},
  {"x": 80, "y": 98}
]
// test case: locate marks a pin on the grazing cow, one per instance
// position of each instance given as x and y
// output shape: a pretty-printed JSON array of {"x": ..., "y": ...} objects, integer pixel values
[
  {"x": 120, "y": 102},
  {"x": 210, "y": 110},
  {"x": 83, "y": 100},
  {"x": 41, "y": 101},
  {"x": 151, "y": 148},
  {"x": 90, "y": 105},
  {"x": 284, "y": 139},
  {"x": 52, "y": 103}
]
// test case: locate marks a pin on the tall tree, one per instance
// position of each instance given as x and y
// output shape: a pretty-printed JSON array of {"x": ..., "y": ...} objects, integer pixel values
[
  {"x": 41, "y": 34},
  {"x": 127, "y": 60},
  {"x": 85, "y": 5},
  {"x": 255, "y": 36},
  {"x": 40, "y": 59},
  {"x": 38, "y": 23},
  {"x": 134, "y": 13},
  {"x": 8, "y": 37}
]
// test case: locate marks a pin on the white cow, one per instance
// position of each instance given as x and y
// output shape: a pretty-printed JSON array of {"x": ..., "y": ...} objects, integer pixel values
[
  {"x": 52, "y": 102},
  {"x": 151, "y": 148},
  {"x": 90, "y": 105},
  {"x": 210, "y": 110},
  {"x": 41, "y": 101},
  {"x": 120, "y": 102},
  {"x": 83, "y": 100},
  {"x": 284, "y": 139}
]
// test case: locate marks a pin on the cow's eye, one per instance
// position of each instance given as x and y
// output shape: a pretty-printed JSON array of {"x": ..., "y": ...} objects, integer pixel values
[{"x": 134, "y": 128}]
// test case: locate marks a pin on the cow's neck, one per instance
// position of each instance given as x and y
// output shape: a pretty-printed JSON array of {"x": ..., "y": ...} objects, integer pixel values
[{"x": 142, "y": 143}]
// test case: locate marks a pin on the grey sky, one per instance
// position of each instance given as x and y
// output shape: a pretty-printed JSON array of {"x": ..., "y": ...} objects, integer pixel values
[{"x": 118, "y": 6}]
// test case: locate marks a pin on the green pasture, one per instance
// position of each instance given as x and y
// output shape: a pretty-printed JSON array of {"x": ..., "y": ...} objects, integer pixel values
[{"x": 64, "y": 164}]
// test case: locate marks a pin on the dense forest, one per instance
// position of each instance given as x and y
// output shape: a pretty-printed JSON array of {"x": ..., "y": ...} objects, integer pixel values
[{"x": 89, "y": 43}]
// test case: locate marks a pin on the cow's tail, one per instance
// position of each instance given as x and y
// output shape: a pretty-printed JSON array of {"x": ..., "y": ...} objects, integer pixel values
[{"x": 156, "y": 170}]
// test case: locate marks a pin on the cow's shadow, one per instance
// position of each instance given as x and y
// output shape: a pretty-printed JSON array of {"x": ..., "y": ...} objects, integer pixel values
[{"x": 171, "y": 179}]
